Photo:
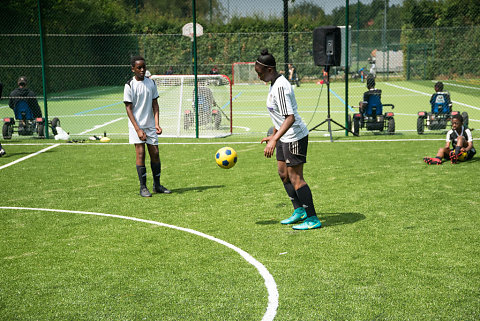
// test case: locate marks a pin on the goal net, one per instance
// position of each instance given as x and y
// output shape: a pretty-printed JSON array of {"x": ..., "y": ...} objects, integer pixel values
[
  {"x": 178, "y": 117},
  {"x": 244, "y": 73}
]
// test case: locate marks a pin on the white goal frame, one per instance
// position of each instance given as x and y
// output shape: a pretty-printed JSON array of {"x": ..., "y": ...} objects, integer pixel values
[{"x": 177, "y": 110}]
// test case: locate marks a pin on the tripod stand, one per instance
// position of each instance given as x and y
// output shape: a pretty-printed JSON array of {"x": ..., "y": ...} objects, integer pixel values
[{"x": 329, "y": 120}]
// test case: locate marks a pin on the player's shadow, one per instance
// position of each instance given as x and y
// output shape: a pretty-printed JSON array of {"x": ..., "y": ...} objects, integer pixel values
[
  {"x": 195, "y": 188},
  {"x": 332, "y": 219},
  {"x": 328, "y": 219},
  {"x": 473, "y": 160}
]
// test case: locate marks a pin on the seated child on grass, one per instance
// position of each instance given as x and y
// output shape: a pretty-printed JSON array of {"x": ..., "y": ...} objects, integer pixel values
[{"x": 462, "y": 144}]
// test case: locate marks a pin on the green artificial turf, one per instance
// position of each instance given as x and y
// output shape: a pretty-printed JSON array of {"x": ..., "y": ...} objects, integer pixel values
[{"x": 400, "y": 238}]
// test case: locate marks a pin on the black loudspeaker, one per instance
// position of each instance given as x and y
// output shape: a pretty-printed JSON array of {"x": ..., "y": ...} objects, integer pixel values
[{"x": 327, "y": 46}]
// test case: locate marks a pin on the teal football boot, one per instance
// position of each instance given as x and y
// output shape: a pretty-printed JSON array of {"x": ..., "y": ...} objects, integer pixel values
[
  {"x": 298, "y": 215},
  {"x": 309, "y": 224}
]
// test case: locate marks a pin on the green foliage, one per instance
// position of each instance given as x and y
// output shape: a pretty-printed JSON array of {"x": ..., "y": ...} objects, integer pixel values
[{"x": 153, "y": 28}]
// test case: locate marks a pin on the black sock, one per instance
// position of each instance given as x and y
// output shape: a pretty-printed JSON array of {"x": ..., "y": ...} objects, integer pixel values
[
  {"x": 292, "y": 194},
  {"x": 156, "y": 170},
  {"x": 305, "y": 196},
  {"x": 142, "y": 175},
  {"x": 457, "y": 149}
]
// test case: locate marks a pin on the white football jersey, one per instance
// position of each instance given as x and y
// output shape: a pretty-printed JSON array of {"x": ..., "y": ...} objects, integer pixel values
[
  {"x": 141, "y": 94},
  {"x": 280, "y": 103},
  {"x": 453, "y": 135}
]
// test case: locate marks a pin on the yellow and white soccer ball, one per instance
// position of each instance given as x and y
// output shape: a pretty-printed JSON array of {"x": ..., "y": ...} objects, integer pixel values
[
  {"x": 462, "y": 156},
  {"x": 226, "y": 157}
]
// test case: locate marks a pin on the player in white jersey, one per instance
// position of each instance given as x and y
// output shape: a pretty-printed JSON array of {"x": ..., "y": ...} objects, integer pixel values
[
  {"x": 290, "y": 138},
  {"x": 140, "y": 97},
  {"x": 462, "y": 144}
]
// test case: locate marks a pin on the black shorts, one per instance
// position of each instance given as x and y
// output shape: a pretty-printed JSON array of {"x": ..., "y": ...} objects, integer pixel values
[
  {"x": 470, "y": 154},
  {"x": 293, "y": 153}
]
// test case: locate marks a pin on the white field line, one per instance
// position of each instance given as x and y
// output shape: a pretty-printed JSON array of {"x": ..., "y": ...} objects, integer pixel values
[
  {"x": 28, "y": 156},
  {"x": 269, "y": 280},
  {"x": 243, "y": 143},
  {"x": 100, "y": 126},
  {"x": 429, "y": 95},
  {"x": 457, "y": 85}
]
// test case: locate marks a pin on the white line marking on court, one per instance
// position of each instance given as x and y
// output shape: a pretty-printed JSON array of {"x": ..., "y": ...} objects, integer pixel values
[
  {"x": 242, "y": 143},
  {"x": 427, "y": 94},
  {"x": 100, "y": 126},
  {"x": 28, "y": 156},
  {"x": 269, "y": 281},
  {"x": 247, "y": 129},
  {"x": 457, "y": 85}
]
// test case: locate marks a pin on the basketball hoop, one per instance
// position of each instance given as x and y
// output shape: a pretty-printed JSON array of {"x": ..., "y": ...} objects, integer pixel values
[{"x": 187, "y": 30}]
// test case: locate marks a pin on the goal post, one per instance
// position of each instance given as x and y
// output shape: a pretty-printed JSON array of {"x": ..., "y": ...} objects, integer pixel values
[
  {"x": 177, "y": 105},
  {"x": 244, "y": 73}
]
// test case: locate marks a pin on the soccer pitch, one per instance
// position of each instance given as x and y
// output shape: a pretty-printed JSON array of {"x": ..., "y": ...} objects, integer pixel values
[
  {"x": 400, "y": 238},
  {"x": 93, "y": 111}
]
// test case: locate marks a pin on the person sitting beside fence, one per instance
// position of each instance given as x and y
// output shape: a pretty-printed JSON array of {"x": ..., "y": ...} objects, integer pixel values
[{"x": 22, "y": 93}]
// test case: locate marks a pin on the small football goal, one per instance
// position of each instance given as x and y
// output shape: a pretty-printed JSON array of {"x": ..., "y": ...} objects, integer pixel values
[{"x": 178, "y": 110}]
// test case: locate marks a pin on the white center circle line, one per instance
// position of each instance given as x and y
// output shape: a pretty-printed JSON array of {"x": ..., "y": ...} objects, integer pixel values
[{"x": 269, "y": 281}]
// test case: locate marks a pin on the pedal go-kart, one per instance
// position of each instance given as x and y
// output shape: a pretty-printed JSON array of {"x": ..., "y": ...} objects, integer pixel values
[
  {"x": 440, "y": 115},
  {"x": 371, "y": 116},
  {"x": 25, "y": 124}
]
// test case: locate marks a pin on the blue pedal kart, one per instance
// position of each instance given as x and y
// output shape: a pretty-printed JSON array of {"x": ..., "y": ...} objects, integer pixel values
[
  {"x": 440, "y": 115},
  {"x": 25, "y": 124},
  {"x": 371, "y": 115}
]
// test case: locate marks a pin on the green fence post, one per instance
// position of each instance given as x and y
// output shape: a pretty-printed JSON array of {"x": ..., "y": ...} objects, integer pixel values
[
  {"x": 194, "y": 13},
  {"x": 346, "y": 65},
  {"x": 44, "y": 80}
]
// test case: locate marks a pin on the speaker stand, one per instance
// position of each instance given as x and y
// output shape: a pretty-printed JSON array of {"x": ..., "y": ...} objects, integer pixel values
[{"x": 329, "y": 120}]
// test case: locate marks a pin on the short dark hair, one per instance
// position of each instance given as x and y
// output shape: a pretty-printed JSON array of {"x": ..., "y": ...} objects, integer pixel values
[
  {"x": 439, "y": 86},
  {"x": 134, "y": 59},
  {"x": 370, "y": 81},
  {"x": 22, "y": 80},
  {"x": 458, "y": 117},
  {"x": 266, "y": 59}
]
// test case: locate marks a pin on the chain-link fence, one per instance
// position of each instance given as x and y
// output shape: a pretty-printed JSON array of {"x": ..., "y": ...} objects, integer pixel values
[{"x": 81, "y": 79}]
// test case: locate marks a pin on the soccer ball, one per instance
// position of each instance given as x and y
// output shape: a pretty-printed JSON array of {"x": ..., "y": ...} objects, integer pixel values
[
  {"x": 462, "y": 156},
  {"x": 226, "y": 157}
]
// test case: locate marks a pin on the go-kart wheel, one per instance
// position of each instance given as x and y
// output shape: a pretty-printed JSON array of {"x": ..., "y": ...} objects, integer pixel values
[
  {"x": 55, "y": 124},
  {"x": 349, "y": 122},
  {"x": 7, "y": 131},
  {"x": 465, "y": 119},
  {"x": 41, "y": 130},
  {"x": 391, "y": 126},
  {"x": 356, "y": 126},
  {"x": 420, "y": 126}
]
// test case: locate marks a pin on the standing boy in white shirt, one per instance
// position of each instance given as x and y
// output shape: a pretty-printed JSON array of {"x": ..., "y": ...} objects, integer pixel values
[{"x": 140, "y": 97}]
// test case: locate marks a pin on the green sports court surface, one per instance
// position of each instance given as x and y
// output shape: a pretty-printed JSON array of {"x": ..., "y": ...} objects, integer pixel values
[
  {"x": 96, "y": 110},
  {"x": 399, "y": 240}
]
